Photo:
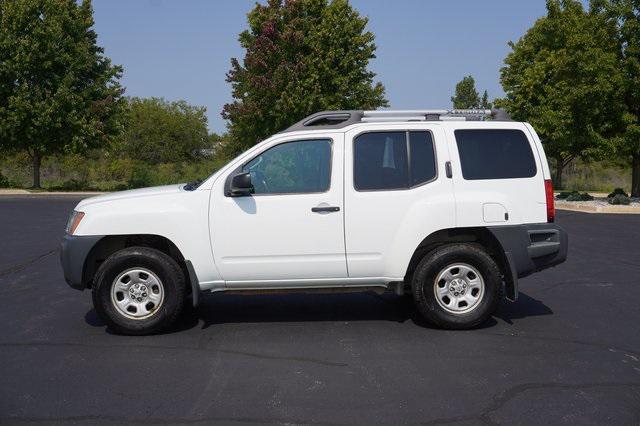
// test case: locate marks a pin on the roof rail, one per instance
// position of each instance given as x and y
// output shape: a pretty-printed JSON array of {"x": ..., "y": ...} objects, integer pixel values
[
  {"x": 426, "y": 114},
  {"x": 340, "y": 119}
]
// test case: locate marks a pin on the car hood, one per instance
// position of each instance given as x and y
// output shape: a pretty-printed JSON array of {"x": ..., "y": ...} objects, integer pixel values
[{"x": 132, "y": 193}]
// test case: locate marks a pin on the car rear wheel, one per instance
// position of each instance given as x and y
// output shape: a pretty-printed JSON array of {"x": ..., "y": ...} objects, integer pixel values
[
  {"x": 457, "y": 286},
  {"x": 139, "y": 290}
]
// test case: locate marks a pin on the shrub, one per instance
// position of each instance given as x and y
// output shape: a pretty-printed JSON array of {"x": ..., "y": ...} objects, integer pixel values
[
  {"x": 564, "y": 194},
  {"x": 577, "y": 196},
  {"x": 108, "y": 186},
  {"x": 617, "y": 191},
  {"x": 620, "y": 199},
  {"x": 69, "y": 185},
  {"x": 100, "y": 171},
  {"x": 574, "y": 196},
  {"x": 140, "y": 178},
  {"x": 4, "y": 181},
  {"x": 120, "y": 169}
]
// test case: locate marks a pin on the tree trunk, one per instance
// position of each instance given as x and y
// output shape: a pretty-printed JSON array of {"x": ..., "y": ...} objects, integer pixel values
[
  {"x": 635, "y": 175},
  {"x": 557, "y": 181},
  {"x": 37, "y": 159}
]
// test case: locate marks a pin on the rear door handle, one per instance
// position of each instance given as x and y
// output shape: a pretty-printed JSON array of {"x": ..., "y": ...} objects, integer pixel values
[{"x": 325, "y": 209}]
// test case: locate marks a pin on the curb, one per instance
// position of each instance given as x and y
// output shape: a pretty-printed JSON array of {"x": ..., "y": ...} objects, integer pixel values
[
  {"x": 9, "y": 192},
  {"x": 576, "y": 206}
]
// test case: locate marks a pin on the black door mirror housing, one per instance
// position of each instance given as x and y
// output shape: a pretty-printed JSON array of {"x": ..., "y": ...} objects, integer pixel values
[{"x": 241, "y": 185}]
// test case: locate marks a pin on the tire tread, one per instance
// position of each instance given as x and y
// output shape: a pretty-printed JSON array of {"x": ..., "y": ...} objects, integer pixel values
[
  {"x": 428, "y": 267},
  {"x": 160, "y": 321}
]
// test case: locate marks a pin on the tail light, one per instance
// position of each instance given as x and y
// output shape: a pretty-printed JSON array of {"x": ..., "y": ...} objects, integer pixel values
[{"x": 551, "y": 208}]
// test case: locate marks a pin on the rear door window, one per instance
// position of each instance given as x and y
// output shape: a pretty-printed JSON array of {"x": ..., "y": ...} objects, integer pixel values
[
  {"x": 423, "y": 159},
  {"x": 381, "y": 161},
  {"x": 393, "y": 160},
  {"x": 495, "y": 154}
]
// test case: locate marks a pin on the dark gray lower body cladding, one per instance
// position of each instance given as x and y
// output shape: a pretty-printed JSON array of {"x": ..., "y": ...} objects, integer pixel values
[
  {"x": 530, "y": 248},
  {"x": 73, "y": 253}
]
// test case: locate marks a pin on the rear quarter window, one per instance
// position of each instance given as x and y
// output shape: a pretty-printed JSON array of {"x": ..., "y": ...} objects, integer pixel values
[{"x": 495, "y": 154}]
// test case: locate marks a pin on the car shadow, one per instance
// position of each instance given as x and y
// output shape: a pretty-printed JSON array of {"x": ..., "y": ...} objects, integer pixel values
[
  {"x": 223, "y": 308},
  {"x": 525, "y": 306}
]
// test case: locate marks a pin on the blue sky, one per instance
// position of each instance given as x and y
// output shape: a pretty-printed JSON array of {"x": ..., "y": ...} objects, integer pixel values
[{"x": 181, "y": 49}]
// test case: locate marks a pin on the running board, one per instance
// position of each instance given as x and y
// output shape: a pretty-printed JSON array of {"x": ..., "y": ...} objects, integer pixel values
[{"x": 324, "y": 290}]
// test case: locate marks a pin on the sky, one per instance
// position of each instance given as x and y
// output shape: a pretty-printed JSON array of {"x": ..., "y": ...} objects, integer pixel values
[{"x": 182, "y": 49}]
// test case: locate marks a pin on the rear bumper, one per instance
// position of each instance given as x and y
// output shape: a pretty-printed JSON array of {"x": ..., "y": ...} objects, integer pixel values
[
  {"x": 530, "y": 248},
  {"x": 73, "y": 253}
]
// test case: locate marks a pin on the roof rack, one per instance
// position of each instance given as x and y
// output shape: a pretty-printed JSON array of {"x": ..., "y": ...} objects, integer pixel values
[{"x": 340, "y": 119}]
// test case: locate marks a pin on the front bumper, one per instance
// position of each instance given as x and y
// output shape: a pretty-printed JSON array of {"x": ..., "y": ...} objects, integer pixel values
[{"x": 73, "y": 254}]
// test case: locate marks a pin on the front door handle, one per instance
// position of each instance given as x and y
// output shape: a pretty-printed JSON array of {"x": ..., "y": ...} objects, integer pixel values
[{"x": 325, "y": 209}]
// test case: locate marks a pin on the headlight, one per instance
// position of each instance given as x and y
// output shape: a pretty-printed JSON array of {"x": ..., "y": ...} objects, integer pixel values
[{"x": 74, "y": 221}]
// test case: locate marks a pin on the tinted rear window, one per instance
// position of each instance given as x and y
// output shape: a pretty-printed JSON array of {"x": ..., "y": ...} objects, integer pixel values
[
  {"x": 393, "y": 160},
  {"x": 381, "y": 161},
  {"x": 423, "y": 161},
  {"x": 495, "y": 154}
]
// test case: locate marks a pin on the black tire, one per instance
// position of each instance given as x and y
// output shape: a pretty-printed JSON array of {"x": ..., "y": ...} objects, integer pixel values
[
  {"x": 164, "y": 267},
  {"x": 423, "y": 284}
]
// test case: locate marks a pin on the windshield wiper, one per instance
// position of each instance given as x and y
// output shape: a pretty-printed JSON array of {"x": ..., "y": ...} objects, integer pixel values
[{"x": 193, "y": 185}]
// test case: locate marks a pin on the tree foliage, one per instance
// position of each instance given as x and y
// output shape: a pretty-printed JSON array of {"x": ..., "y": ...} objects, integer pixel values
[
  {"x": 485, "y": 103},
  {"x": 58, "y": 92},
  {"x": 159, "y": 131},
  {"x": 301, "y": 57},
  {"x": 624, "y": 15},
  {"x": 466, "y": 96},
  {"x": 563, "y": 77}
]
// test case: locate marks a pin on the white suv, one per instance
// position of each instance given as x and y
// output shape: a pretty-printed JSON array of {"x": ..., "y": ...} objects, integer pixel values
[{"x": 446, "y": 205}]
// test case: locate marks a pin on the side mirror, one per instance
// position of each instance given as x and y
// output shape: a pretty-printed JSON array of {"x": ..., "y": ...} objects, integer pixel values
[{"x": 241, "y": 185}]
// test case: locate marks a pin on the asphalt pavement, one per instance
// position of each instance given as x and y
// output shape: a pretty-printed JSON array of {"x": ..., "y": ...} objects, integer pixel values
[{"x": 567, "y": 352}]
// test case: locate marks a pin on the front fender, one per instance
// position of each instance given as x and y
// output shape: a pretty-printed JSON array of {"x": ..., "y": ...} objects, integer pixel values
[
  {"x": 181, "y": 217},
  {"x": 73, "y": 255}
]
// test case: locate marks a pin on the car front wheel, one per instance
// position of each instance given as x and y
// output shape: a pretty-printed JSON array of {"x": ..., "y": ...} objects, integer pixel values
[{"x": 139, "y": 290}]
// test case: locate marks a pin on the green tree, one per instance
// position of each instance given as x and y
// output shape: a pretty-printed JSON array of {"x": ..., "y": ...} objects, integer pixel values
[
  {"x": 301, "y": 57},
  {"x": 485, "y": 103},
  {"x": 159, "y": 131},
  {"x": 625, "y": 16},
  {"x": 58, "y": 92},
  {"x": 466, "y": 96},
  {"x": 563, "y": 77}
]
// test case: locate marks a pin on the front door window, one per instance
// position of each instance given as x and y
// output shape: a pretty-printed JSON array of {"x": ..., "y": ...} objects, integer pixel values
[{"x": 299, "y": 167}]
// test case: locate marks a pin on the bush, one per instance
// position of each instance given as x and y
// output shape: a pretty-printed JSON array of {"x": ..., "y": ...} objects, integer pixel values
[
  {"x": 617, "y": 191},
  {"x": 69, "y": 185},
  {"x": 577, "y": 196},
  {"x": 574, "y": 196},
  {"x": 4, "y": 181},
  {"x": 598, "y": 176},
  {"x": 564, "y": 194},
  {"x": 140, "y": 178},
  {"x": 120, "y": 169},
  {"x": 100, "y": 171},
  {"x": 620, "y": 199}
]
